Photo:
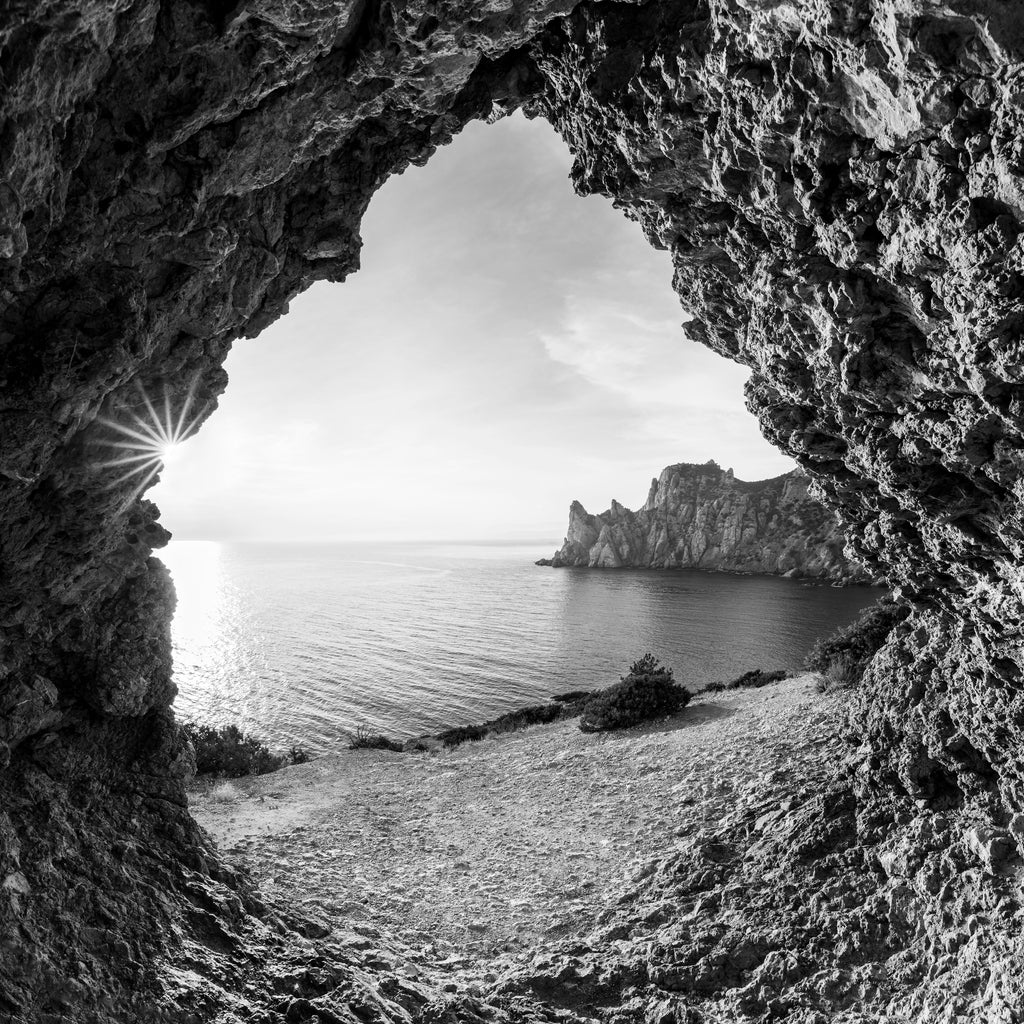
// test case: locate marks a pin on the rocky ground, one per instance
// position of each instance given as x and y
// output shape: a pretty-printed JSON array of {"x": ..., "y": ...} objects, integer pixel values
[
  {"x": 498, "y": 845},
  {"x": 629, "y": 876}
]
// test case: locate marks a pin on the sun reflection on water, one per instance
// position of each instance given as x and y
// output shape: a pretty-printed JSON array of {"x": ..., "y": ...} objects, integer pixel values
[
  {"x": 199, "y": 583},
  {"x": 209, "y": 658}
]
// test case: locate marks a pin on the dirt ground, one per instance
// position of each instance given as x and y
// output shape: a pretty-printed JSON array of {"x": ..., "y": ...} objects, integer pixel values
[{"x": 499, "y": 845}]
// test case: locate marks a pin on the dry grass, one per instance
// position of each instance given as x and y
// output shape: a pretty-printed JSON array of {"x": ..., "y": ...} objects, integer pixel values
[
  {"x": 842, "y": 674},
  {"x": 223, "y": 793},
  {"x": 365, "y": 739}
]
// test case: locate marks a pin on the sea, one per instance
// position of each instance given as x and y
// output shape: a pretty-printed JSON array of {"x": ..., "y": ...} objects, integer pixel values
[{"x": 304, "y": 643}]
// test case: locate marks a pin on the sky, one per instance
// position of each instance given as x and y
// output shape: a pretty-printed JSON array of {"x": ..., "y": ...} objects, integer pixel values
[{"x": 507, "y": 347}]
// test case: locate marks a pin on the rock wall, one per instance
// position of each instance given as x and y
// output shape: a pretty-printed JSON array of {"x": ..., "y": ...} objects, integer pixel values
[
  {"x": 702, "y": 517},
  {"x": 171, "y": 174},
  {"x": 840, "y": 185},
  {"x": 841, "y": 195}
]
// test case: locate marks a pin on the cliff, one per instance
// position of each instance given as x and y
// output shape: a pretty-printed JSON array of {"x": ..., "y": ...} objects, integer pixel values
[
  {"x": 840, "y": 186},
  {"x": 702, "y": 517}
]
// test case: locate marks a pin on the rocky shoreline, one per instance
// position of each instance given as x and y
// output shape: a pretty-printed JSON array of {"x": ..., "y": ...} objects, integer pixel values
[{"x": 806, "y": 581}]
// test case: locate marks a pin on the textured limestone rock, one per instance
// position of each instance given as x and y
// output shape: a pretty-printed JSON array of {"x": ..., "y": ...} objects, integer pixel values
[
  {"x": 702, "y": 517},
  {"x": 171, "y": 174},
  {"x": 840, "y": 192},
  {"x": 841, "y": 188},
  {"x": 801, "y": 910}
]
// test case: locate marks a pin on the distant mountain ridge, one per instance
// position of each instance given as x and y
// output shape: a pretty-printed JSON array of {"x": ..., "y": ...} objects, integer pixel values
[{"x": 702, "y": 517}]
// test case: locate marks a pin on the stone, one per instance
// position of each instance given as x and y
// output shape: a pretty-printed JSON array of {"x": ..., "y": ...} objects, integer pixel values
[
  {"x": 991, "y": 846},
  {"x": 1016, "y": 829},
  {"x": 16, "y": 882},
  {"x": 313, "y": 928}
]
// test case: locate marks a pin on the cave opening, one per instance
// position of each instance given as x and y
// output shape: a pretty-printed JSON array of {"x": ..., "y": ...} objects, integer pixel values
[{"x": 505, "y": 347}]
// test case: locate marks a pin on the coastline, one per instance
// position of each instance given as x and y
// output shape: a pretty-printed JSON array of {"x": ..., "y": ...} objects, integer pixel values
[
  {"x": 404, "y": 844},
  {"x": 811, "y": 581},
  {"x": 558, "y": 866}
]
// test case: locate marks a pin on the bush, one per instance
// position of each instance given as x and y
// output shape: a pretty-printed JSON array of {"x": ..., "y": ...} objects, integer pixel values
[
  {"x": 844, "y": 673},
  {"x": 363, "y": 739},
  {"x": 227, "y": 752},
  {"x": 647, "y": 691},
  {"x": 843, "y": 657},
  {"x": 511, "y": 721},
  {"x": 753, "y": 679},
  {"x": 459, "y": 734},
  {"x": 223, "y": 793}
]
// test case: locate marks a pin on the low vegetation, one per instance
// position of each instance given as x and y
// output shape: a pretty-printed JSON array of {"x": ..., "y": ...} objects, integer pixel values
[
  {"x": 223, "y": 793},
  {"x": 227, "y": 752},
  {"x": 521, "y": 718},
  {"x": 754, "y": 679},
  {"x": 364, "y": 739},
  {"x": 564, "y": 705},
  {"x": 574, "y": 696},
  {"x": 843, "y": 673},
  {"x": 843, "y": 657},
  {"x": 647, "y": 692}
]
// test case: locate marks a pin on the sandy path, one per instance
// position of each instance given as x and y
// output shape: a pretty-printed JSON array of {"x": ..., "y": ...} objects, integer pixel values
[{"x": 496, "y": 845}]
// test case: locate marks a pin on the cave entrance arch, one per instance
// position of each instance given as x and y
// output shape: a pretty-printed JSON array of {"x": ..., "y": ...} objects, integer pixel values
[
  {"x": 840, "y": 195},
  {"x": 505, "y": 346}
]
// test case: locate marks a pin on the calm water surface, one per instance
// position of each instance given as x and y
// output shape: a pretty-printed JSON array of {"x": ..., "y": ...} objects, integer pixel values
[{"x": 299, "y": 643}]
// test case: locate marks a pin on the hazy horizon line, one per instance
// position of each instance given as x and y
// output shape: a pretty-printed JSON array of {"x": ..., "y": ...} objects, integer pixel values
[{"x": 364, "y": 539}]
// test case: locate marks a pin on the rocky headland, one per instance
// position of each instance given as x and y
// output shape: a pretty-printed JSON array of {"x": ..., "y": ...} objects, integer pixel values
[
  {"x": 840, "y": 186},
  {"x": 699, "y": 516}
]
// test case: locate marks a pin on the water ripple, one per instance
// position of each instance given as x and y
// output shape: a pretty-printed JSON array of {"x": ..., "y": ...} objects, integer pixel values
[{"x": 302, "y": 643}]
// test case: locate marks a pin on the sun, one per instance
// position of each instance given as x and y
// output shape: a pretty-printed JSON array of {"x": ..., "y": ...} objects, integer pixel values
[
  {"x": 170, "y": 452},
  {"x": 149, "y": 441}
]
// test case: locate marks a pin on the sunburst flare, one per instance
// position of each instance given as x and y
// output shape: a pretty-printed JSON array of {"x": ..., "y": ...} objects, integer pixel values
[{"x": 144, "y": 444}]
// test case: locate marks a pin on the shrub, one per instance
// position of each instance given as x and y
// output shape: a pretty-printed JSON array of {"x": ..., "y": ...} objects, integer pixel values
[
  {"x": 511, "y": 721},
  {"x": 647, "y": 691},
  {"x": 228, "y": 752},
  {"x": 844, "y": 673},
  {"x": 425, "y": 744},
  {"x": 223, "y": 793},
  {"x": 363, "y": 739},
  {"x": 459, "y": 734},
  {"x": 574, "y": 696},
  {"x": 843, "y": 657},
  {"x": 753, "y": 679},
  {"x": 522, "y": 718}
]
